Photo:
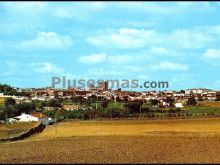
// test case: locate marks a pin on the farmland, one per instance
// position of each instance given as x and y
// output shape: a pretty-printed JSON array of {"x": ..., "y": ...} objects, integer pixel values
[
  {"x": 201, "y": 127},
  {"x": 120, "y": 141},
  {"x": 11, "y": 130},
  {"x": 213, "y": 104}
]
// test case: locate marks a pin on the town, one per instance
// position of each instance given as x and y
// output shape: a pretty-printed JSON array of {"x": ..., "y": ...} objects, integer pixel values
[
  {"x": 101, "y": 102},
  {"x": 45, "y": 94}
]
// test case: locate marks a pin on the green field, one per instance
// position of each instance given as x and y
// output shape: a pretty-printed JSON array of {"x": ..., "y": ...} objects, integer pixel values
[{"x": 204, "y": 108}]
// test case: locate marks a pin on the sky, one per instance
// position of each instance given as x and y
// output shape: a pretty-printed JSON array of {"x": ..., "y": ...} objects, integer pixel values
[{"x": 178, "y": 42}]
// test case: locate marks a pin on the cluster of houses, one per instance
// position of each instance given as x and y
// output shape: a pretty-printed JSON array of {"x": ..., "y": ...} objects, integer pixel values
[
  {"x": 182, "y": 96},
  {"x": 45, "y": 94}
]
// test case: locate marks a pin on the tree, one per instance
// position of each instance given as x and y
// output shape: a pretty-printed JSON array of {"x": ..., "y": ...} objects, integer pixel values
[
  {"x": 2, "y": 113},
  {"x": 200, "y": 98},
  {"x": 104, "y": 104},
  {"x": 118, "y": 99},
  {"x": 125, "y": 98},
  {"x": 93, "y": 98},
  {"x": 53, "y": 103},
  {"x": 9, "y": 111},
  {"x": 191, "y": 100},
  {"x": 133, "y": 106},
  {"x": 154, "y": 102},
  {"x": 78, "y": 100},
  {"x": 114, "y": 112},
  {"x": 39, "y": 104},
  {"x": 182, "y": 91},
  {"x": 170, "y": 100},
  {"x": 7, "y": 90},
  {"x": 10, "y": 101},
  {"x": 24, "y": 108}
]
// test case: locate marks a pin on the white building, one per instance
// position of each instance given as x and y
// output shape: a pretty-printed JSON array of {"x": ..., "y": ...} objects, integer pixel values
[
  {"x": 178, "y": 105},
  {"x": 197, "y": 91},
  {"x": 37, "y": 117}
]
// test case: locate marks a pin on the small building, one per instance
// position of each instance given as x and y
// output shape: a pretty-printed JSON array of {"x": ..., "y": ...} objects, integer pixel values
[
  {"x": 179, "y": 105},
  {"x": 35, "y": 117},
  {"x": 70, "y": 107}
]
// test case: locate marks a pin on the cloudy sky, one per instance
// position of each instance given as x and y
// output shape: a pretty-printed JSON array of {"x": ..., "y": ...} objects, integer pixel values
[{"x": 178, "y": 42}]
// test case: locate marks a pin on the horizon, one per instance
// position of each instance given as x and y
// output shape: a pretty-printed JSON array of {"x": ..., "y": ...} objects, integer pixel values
[
  {"x": 127, "y": 90},
  {"x": 148, "y": 41}
]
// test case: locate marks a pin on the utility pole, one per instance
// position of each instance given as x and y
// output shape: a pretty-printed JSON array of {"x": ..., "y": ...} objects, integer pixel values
[
  {"x": 140, "y": 110},
  {"x": 115, "y": 99}
]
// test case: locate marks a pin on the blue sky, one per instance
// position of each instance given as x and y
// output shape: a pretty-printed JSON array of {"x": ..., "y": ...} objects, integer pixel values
[{"x": 178, "y": 42}]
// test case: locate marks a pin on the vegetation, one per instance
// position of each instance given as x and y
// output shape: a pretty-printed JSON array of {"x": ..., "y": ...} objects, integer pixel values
[
  {"x": 8, "y": 90},
  {"x": 99, "y": 107},
  {"x": 191, "y": 100}
]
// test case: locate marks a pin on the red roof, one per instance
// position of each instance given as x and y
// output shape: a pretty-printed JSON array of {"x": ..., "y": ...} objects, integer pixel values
[{"x": 39, "y": 115}]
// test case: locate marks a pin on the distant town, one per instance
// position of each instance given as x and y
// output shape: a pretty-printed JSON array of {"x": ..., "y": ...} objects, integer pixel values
[
  {"x": 49, "y": 105},
  {"x": 102, "y": 90}
]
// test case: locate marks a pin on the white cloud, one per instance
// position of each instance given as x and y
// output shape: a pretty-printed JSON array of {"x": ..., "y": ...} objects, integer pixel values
[
  {"x": 167, "y": 8},
  {"x": 123, "y": 38},
  {"x": 98, "y": 5},
  {"x": 183, "y": 81},
  {"x": 159, "y": 50},
  {"x": 110, "y": 59},
  {"x": 62, "y": 13},
  {"x": 49, "y": 40},
  {"x": 14, "y": 67},
  {"x": 143, "y": 77},
  {"x": 46, "y": 67},
  {"x": 190, "y": 38},
  {"x": 121, "y": 59},
  {"x": 93, "y": 58},
  {"x": 11, "y": 67},
  {"x": 217, "y": 82},
  {"x": 24, "y": 8},
  {"x": 100, "y": 72},
  {"x": 130, "y": 38},
  {"x": 69, "y": 12},
  {"x": 166, "y": 65},
  {"x": 211, "y": 54}
]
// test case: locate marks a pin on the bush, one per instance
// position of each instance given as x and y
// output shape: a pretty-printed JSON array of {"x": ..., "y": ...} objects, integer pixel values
[
  {"x": 77, "y": 114},
  {"x": 115, "y": 112},
  {"x": 133, "y": 106},
  {"x": 174, "y": 110},
  {"x": 9, "y": 101}
]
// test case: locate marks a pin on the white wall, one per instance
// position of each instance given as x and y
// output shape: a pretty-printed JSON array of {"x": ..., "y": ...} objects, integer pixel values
[{"x": 26, "y": 118}]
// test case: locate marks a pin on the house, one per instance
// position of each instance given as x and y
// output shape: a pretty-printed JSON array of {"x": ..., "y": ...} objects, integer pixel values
[
  {"x": 70, "y": 107},
  {"x": 178, "y": 105},
  {"x": 35, "y": 117}
]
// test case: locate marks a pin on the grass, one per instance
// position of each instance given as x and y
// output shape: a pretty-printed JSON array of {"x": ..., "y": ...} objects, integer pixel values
[
  {"x": 118, "y": 104},
  {"x": 12, "y": 130},
  {"x": 202, "y": 110}
]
